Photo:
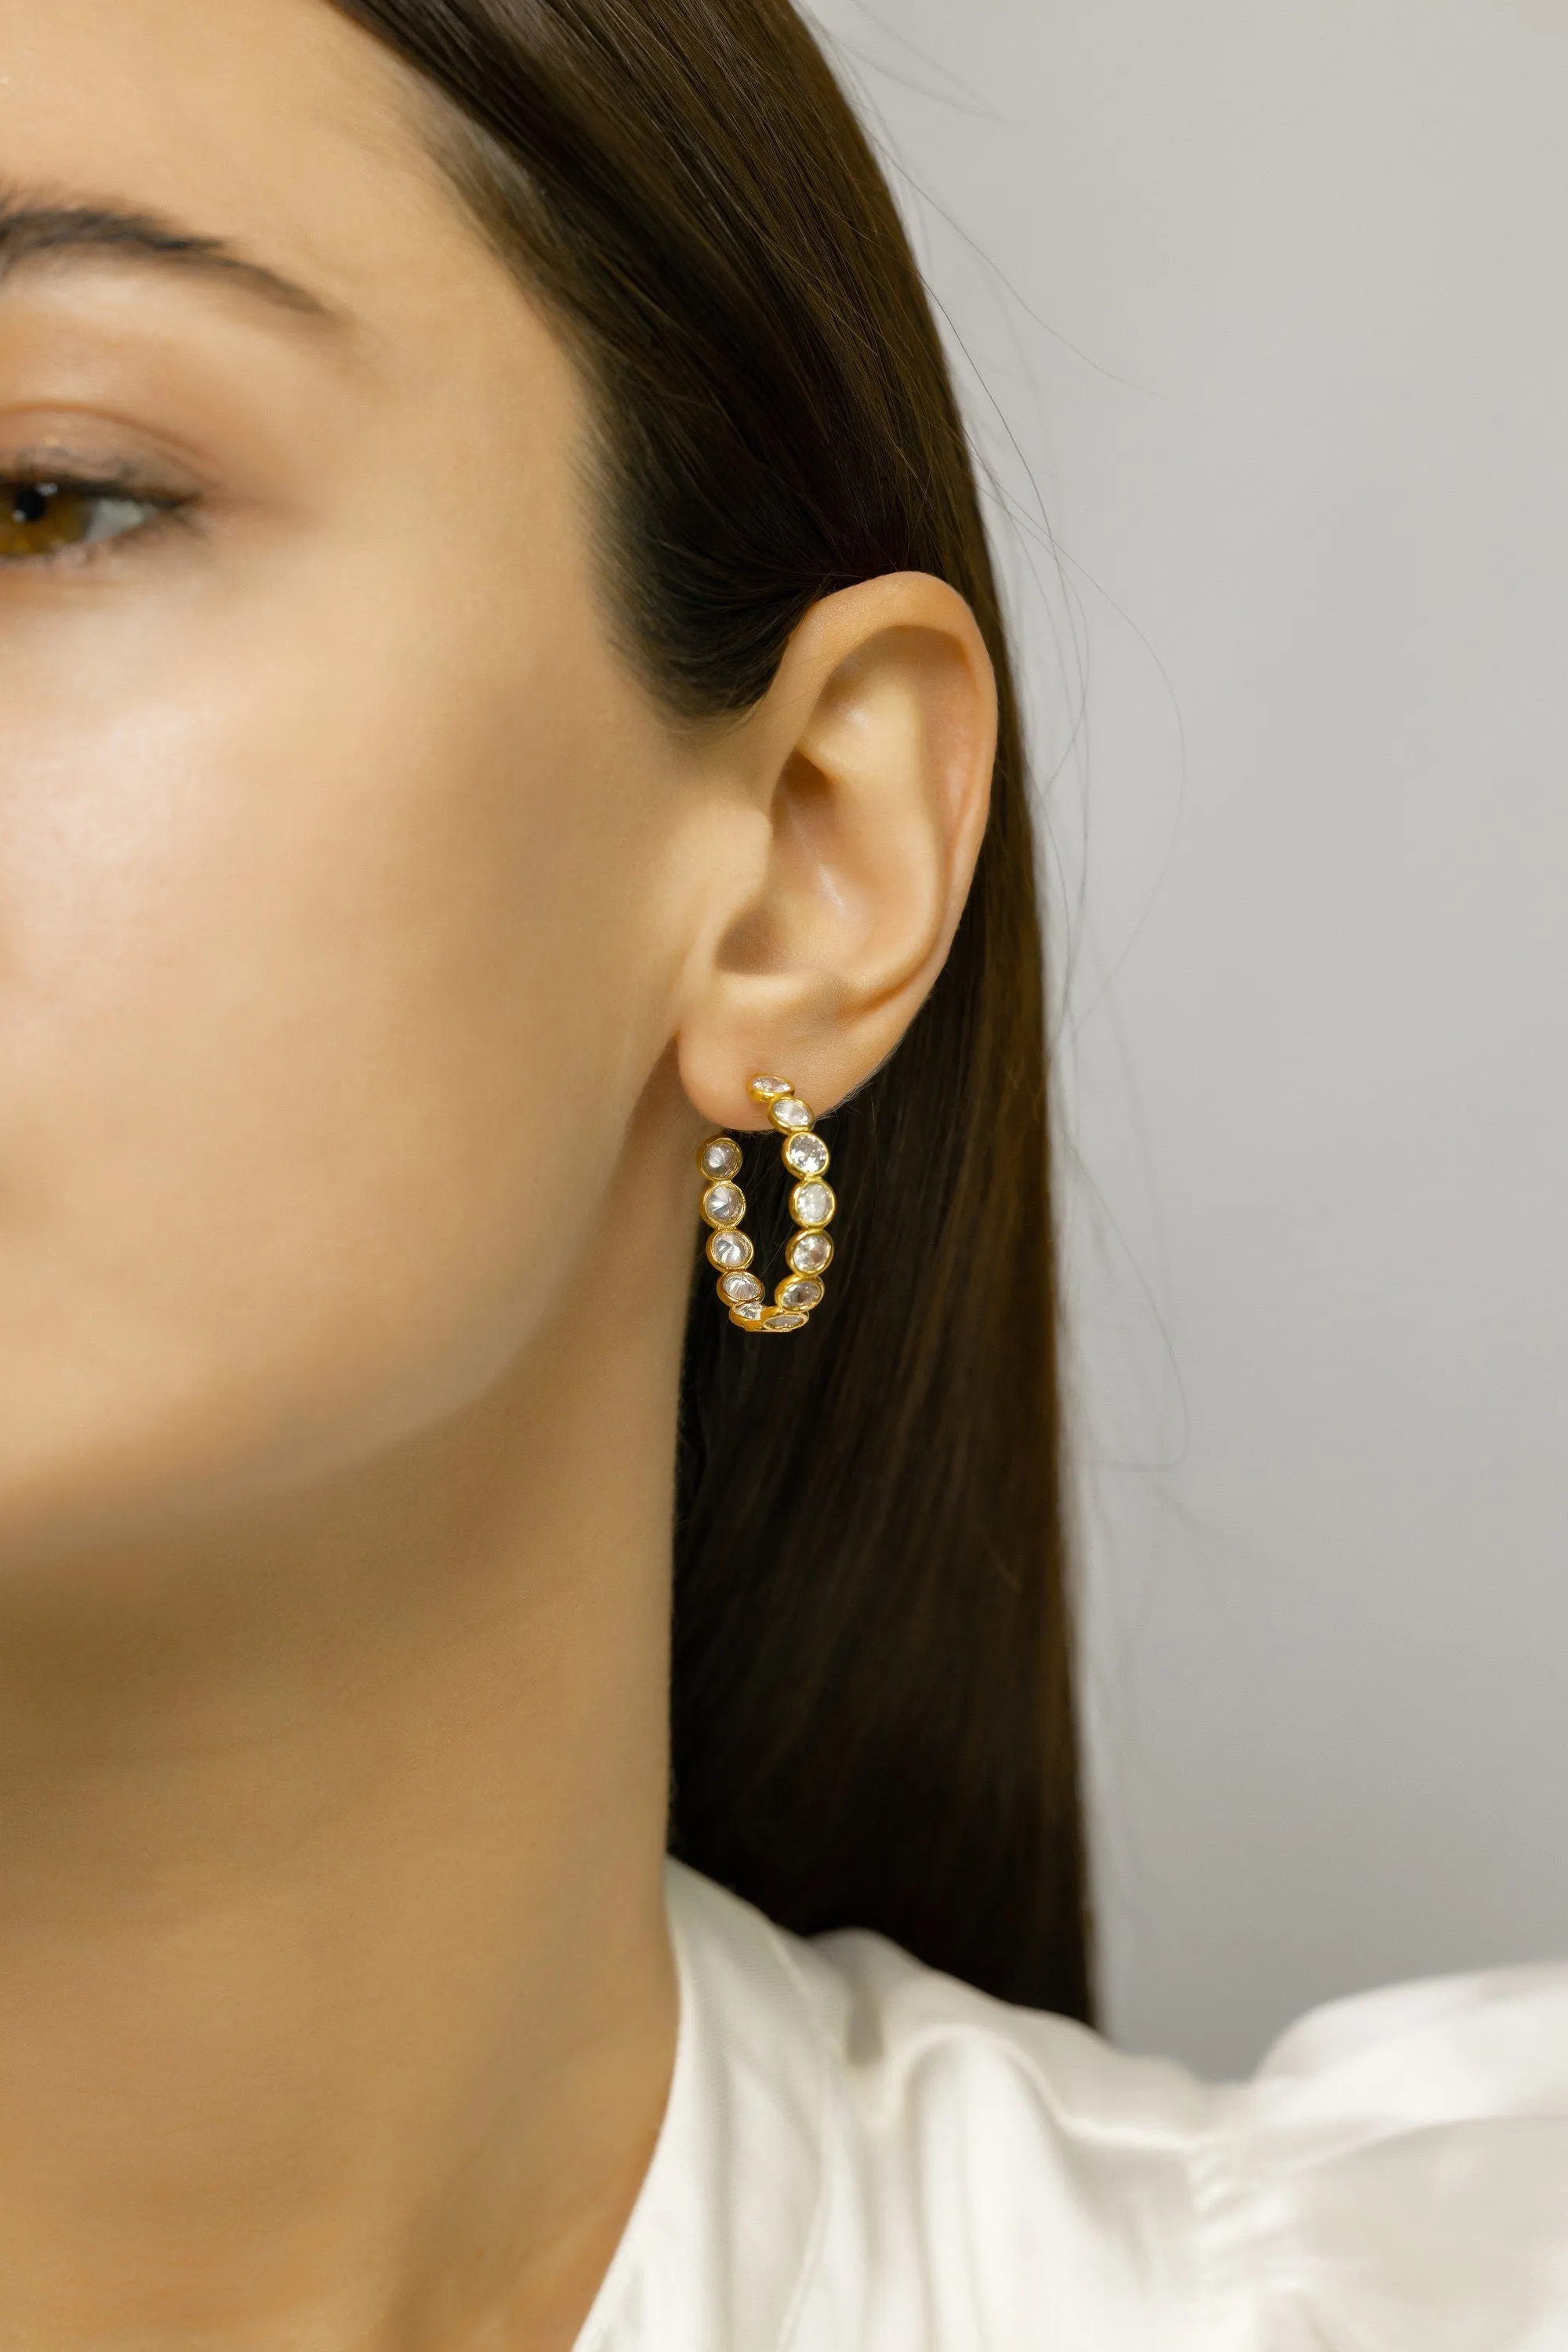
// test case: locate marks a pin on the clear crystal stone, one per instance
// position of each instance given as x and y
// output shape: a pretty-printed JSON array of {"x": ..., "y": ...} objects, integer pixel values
[
  {"x": 769, "y": 1089},
  {"x": 810, "y": 1252},
  {"x": 811, "y": 1204},
  {"x": 807, "y": 1155},
  {"x": 739, "y": 1289},
  {"x": 801, "y": 1294},
  {"x": 750, "y": 1317},
  {"x": 719, "y": 1158},
  {"x": 723, "y": 1204},
  {"x": 729, "y": 1252},
  {"x": 782, "y": 1319},
  {"x": 790, "y": 1114}
]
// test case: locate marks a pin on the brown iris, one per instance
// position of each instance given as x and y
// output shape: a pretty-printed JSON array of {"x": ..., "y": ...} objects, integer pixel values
[{"x": 36, "y": 518}]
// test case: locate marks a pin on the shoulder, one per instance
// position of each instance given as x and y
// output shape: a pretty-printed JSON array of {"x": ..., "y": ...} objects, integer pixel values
[
  {"x": 989, "y": 2176},
  {"x": 1026, "y": 2175}
]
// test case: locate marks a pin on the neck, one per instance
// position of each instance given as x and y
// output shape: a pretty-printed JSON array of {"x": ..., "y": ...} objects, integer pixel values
[{"x": 337, "y": 2002}]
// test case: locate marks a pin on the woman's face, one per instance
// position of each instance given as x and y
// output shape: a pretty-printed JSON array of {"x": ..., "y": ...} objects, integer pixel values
[{"x": 333, "y": 946}]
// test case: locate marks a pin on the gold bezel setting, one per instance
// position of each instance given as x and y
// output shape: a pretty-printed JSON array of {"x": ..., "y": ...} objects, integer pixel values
[
  {"x": 812, "y": 1205},
  {"x": 723, "y": 1205},
  {"x": 720, "y": 1160},
  {"x": 807, "y": 1156},
  {"x": 731, "y": 1252},
  {"x": 809, "y": 1252}
]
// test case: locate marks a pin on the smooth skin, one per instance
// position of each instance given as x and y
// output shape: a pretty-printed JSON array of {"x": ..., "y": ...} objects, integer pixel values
[{"x": 374, "y": 950}]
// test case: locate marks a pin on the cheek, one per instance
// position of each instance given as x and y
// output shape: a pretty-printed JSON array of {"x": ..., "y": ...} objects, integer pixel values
[{"x": 317, "y": 951}]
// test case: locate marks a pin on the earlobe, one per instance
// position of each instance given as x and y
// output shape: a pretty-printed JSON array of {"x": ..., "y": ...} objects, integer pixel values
[{"x": 872, "y": 754}]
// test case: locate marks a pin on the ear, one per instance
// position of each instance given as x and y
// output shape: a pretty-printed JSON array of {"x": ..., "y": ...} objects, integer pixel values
[{"x": 870, "y": 762}]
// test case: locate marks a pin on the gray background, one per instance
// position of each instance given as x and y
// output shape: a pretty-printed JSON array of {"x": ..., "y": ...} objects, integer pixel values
[{"x": 1262, "y": 317}]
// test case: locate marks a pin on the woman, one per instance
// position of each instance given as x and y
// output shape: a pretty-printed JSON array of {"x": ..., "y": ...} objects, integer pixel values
[{"x": 500, "y": 660}]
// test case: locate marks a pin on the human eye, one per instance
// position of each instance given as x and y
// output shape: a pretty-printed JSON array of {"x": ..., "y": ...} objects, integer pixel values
[{"x": 52, "y": 511}]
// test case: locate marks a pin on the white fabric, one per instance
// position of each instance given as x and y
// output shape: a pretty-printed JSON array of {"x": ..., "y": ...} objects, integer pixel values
[{"x": 862, "y": 2156}]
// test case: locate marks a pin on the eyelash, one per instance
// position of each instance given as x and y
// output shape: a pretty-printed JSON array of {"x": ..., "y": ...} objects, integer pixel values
[{"x": 121, "y": 487}]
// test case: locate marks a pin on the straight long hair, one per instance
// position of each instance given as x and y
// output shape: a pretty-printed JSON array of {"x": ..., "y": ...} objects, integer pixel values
[{"x": 873, "y": 1718}]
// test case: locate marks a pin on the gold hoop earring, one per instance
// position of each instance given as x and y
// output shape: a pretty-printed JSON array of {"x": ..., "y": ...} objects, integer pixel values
[{"x": 811, "y": 1204}]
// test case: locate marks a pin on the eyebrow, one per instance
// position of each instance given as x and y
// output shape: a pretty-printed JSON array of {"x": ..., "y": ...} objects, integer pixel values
[{"x": 30, "y": 230}]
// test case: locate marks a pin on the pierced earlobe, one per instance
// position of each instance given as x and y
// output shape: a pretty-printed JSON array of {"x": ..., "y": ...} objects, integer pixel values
[{"x": 812, "y": 1205}]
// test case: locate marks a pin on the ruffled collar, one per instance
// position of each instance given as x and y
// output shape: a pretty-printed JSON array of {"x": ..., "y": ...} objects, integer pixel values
[{"x": 719, "y": 2248}]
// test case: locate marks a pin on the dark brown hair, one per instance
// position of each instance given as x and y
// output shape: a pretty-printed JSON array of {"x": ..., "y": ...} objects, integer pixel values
[{"x": 873, "y": 1716}]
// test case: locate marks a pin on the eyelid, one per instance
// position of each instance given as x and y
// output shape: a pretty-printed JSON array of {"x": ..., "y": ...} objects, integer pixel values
[{"x": 127, "y": 477}]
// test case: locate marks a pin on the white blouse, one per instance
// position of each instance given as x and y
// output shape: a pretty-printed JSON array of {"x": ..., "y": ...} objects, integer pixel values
[{"x": 862, "y": 2156}]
